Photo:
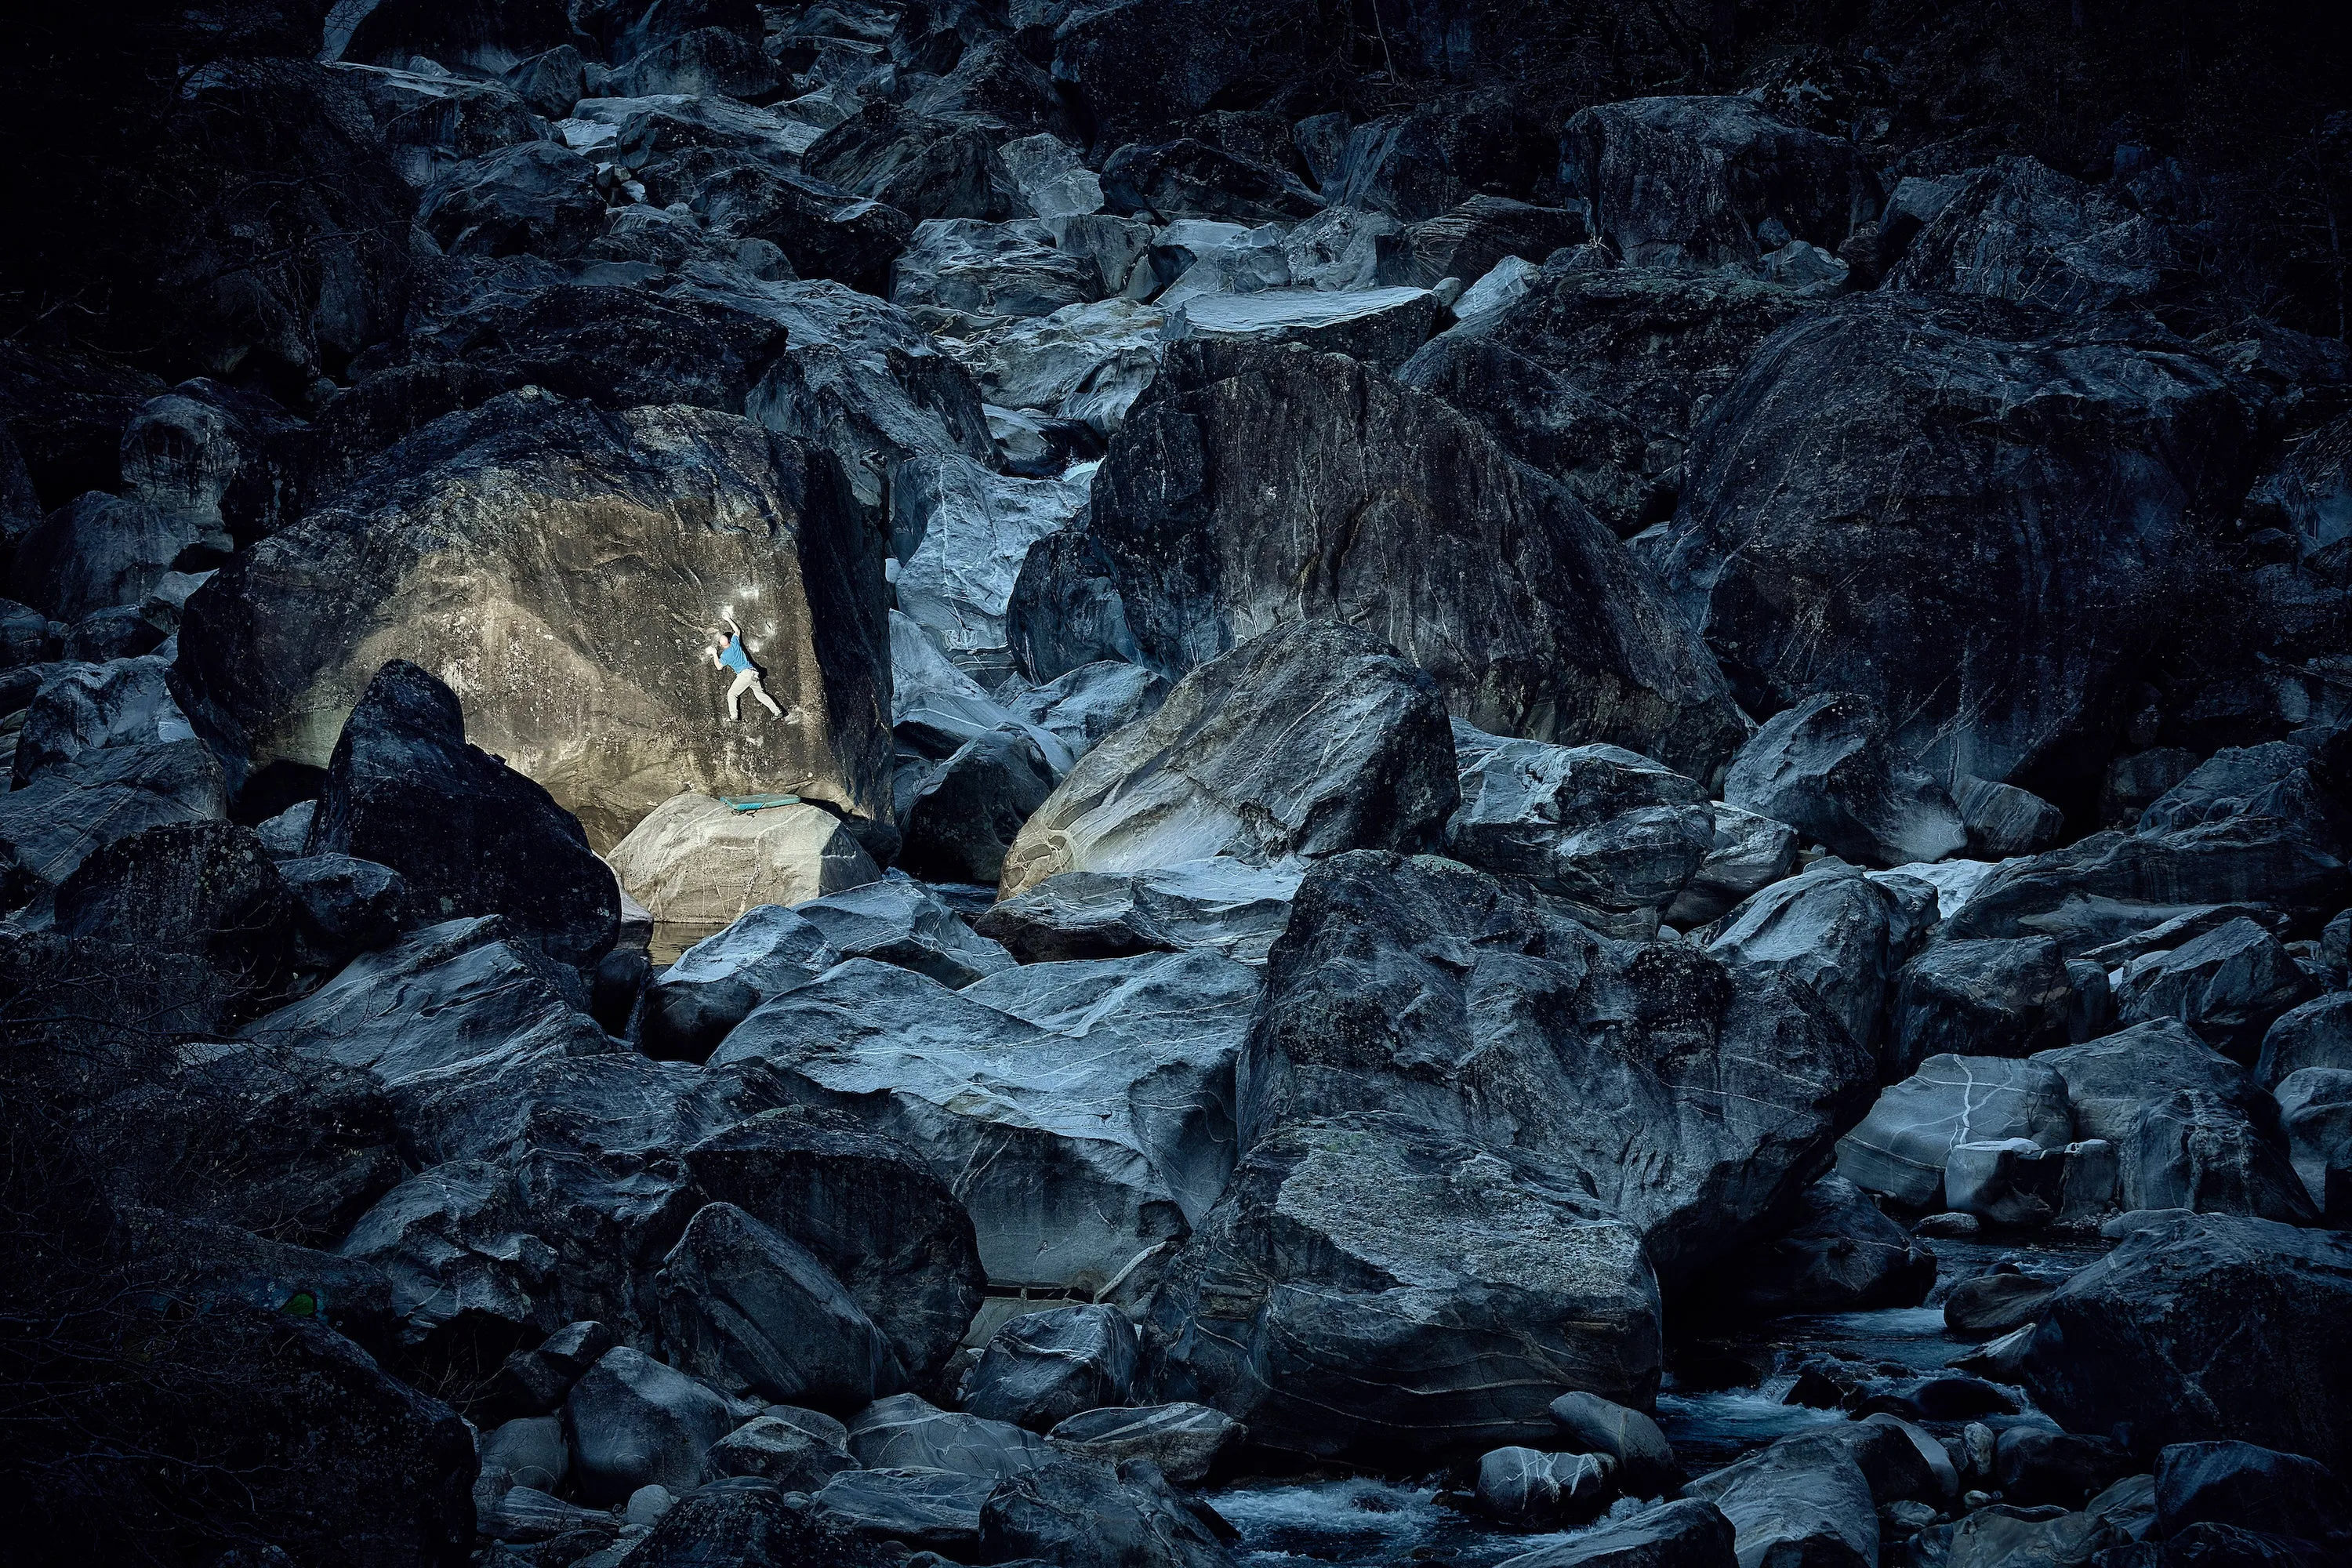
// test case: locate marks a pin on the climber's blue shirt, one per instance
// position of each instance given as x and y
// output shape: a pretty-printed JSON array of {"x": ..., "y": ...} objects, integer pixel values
[{"x": 733, "y": 656}]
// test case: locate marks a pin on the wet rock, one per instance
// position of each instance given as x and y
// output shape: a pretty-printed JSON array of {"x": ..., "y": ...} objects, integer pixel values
[
  {"x": 1091, "y": 1516},
  {"x": 1689, "y": 1534},
  {"x": 1527, "y": 1486},
  {"x": 1037, "y": 1126},
  {"x": 1840, "y": 1255},
  {"x": 700, "y": 863},
  {"x": 533, "y": 199},
  {"x": 633, "y": 1422},
  {"x": 2229, "y": 985},
  {"x": 2139, "y": 1336},
  {"x": 1842, "y": 935},
  {"x": 908, "y": 1432},
  {"x": 936, "y": 1511},
  {"x": 2036, "y": 1466},
  {"x": 1579, "y": 650},
  {"x": 1595, "y": 824},
  {"x": 1184, "y": 1441},
  {"x": 1365, "y": 1288},
  {"x": 1390, "y": 991},
  {"x": 1994, "y": 998},
  {"x": 779, "y": 1451},
  {"x": 1645, "y": 1464},
  {"x": 1044, "y": 1367},
  {"x": 1796, "y": 1503},
  {"x": 467, "y": 835},
  {"x": 1694, "y": 179},
  {"x": 1762, "y": 548},
  {"x": 752, "y": 1312},
  {"x": 2250, "y": 1487},
  {"x": 522, "y": 470},
  {"x": 99, "y": 552},
  {"x": 870, "y": 1211},
  {"x": 1366, "y": 761},
  {"x": 1218, "y": 905},
  {"x": 50, "y": 827},
  {"x": 1996, "y": 1303},
  {"x": 1901, "y": 1146},
  {"x": 1829, "y": 768},
  {"x": 2019, "y": 230},
  {"x": 900, "y": 921}
]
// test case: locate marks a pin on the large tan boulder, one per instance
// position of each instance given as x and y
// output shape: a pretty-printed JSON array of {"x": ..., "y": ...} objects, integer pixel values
[
  {"x": 560, "y": 568},
  {"x": 699, "y": 862}
]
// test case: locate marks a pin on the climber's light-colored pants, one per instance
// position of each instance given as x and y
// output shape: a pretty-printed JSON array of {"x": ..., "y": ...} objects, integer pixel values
[{"x": 749, "y": 680}]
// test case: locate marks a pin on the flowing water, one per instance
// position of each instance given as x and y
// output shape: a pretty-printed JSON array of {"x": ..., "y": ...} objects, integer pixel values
[{"x": 1368, "y": 1520}]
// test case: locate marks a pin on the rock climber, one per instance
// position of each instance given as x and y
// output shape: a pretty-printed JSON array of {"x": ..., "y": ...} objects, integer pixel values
[{"x": 726, "y": 652}]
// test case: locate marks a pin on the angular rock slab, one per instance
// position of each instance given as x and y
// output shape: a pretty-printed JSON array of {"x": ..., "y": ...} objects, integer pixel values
[
  {"x": 1312, "y": 738},
  {"x": 1368, "y": 1290},
  {"x": 699, "y": 862},
  {"x": 2203, "y": 1328},
  {"x": 1872, "y": 508},
  {"x": 1078, "y": 1141},
  {"x": 1408, "y": 520},
  {"x": 561, "y": 568},
  {"x": 1479, "y": 1010}
]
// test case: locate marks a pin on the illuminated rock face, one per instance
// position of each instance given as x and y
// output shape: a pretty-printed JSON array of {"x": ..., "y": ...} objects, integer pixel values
[{"x": 561, "y": 568}]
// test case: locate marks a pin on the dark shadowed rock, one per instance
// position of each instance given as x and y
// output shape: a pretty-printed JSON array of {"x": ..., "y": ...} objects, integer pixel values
[
  {"x": 2229, "y": 984},
  {"x": 539, "y": 199},
  {"x": 1361, "y": 758},
  {"x": 1930, "y": 442},
  {"x": 1219, "y": 904},
  {"x": 1990, "y": 999},
  {"x": 1410, "y": 523},
  {"x": 1646, "y": 1463},
  {"x": 2315, "y": 1112},
  {"x": 1479, "y": 1009},
  {"x": 823, "y": 231},
  {"x": 2213, "y": 1153},
  {"x": 633, "y": 1422},
  {"x": 1091, "y": 1515},
  {"x": 922, "y": 165},
  {"x": 752, "y": 1312},
  {"x": 1184, "y": 1441},
  {"x": 1042, "y": 1367},
  {"x": 968, "y": 816},
  {"x": 1366, "y": 1289},
  {"x": 1689, "y": 1534},
  {"x": 1186, "y": 178},
  {"x": 99, "y": 552},
  {"x": 746, "y": 1521},
  {"x": 2250, "y": 1487},
  {"x": 2112, "y": 886},
  {"x": 467, "y": 835},
  {"x": 1694, "y": 179},
  {"x": 906, "y": 1431},
  {"x": 933, "y": 1509},
  {"x": 2203, "y": 1328},
  {"x": 50, "y": 827},
  {"x": 1142, "y": 68},
  {"x": 779, "y": 1451},
  {"x": 1841, "y": 934},
  {"x": 486, "y": 509},
  {"x": 84, "y": 707},
  {"x": 1529, "y": 1487},
  {"x": 889, "y": 1230},
  {"x": 2019, "y": 230},
  {"x": 1840, "y": 1255}
]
